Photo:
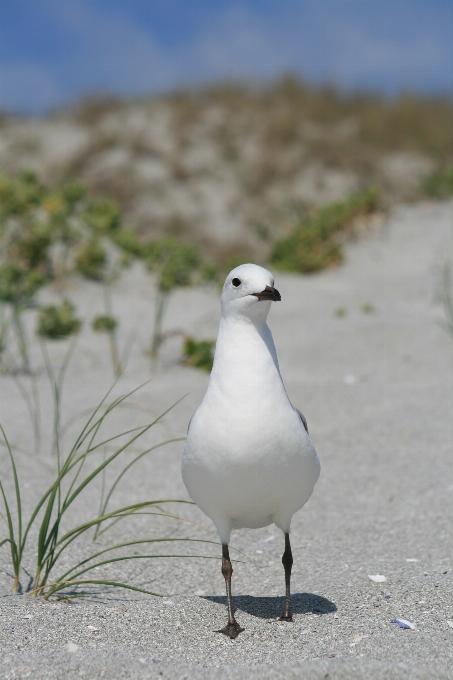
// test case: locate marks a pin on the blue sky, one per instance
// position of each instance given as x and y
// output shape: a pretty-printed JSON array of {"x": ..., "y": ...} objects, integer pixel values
[{"x": 54, "y": 51}]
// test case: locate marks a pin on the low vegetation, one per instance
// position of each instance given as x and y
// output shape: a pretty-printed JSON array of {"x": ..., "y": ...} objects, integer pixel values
[
  {"x": 199, "y": 353},
  {"x": 226, "y": 166},
  {"x": 90, "y": 457},
  {"x": 174, "y": 263},
  {"x": 315, "y": 242},
  {"x": 57, "y": 321},
  {"x": 45, "y": 236},
  {"x": 48, "y": 235},
  {"x": 439, "y": 184}
]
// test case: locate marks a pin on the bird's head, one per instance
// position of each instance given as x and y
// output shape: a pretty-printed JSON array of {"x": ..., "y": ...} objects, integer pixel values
[{"x": 247, "y": 292}]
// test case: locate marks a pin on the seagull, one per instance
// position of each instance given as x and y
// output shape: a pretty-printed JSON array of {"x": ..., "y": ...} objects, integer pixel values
[{"x": 248, "y": 460}]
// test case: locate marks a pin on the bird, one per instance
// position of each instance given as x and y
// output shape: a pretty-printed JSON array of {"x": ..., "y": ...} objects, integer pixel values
[{"x": 248, "y": 460}]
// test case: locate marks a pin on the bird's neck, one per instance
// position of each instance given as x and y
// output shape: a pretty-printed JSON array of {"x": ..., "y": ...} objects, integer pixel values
[{"x": 245, "y": 358}]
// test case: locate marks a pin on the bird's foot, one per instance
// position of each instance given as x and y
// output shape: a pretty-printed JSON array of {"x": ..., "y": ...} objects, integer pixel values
[
  {"x": 232, "y": 630},
  {"x": 285, "y": 617}
]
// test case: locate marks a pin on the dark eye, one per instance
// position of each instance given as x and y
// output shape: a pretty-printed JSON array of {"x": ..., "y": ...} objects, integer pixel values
[{"x": 236, "y": 282}]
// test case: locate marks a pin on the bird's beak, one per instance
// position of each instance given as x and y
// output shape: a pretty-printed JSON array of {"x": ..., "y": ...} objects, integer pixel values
[{"x": 269, "y": 293}]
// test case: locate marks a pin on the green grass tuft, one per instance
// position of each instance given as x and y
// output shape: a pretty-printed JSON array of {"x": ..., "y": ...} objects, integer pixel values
[
  {"x": 18, "y": 285},
  {"x": 439, "y": 184},
  {"x": 104, "y": 324},
  {"x": 76, "y": 471},
  {"x": 314, "y": 243},
  {"x": 91, "y": 259},
  {"x": 199, "y": 353},
  {"x": 57, "y": 321},
  {"x": 368, "y": 308},
  {"x": 173, "y": 261}
]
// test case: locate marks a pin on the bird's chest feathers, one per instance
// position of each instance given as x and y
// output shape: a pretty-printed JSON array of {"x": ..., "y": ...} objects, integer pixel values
[{"x": 245, "y": 396}]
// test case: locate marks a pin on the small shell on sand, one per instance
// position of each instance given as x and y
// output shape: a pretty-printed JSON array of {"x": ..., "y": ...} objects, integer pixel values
[
  {"x": 377, "y": 578},
  {"x": 402, "y": 623}
]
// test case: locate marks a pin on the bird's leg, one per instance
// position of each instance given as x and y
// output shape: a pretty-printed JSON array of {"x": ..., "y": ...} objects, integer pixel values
[
  {"x": 287, "y": 561},
  {"x": 232, "y": 629}
]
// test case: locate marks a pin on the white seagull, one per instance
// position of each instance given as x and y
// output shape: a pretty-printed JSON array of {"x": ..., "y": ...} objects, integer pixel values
[{"x": 248, "y": 460}]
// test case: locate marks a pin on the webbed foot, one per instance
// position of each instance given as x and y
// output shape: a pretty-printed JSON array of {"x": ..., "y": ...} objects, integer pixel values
[{"x": 232, "y": 630}]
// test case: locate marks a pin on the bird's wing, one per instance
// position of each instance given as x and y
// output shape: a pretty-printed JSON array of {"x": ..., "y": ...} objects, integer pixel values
[
  {"x": 188, "y": 426},
  {"x": 302, "y": 417}
]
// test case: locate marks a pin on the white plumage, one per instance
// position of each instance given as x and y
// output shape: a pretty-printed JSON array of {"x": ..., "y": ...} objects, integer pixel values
[{"x": 248, "y": 460}]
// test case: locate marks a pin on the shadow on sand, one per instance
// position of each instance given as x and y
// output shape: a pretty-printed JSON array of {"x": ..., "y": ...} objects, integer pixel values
[{"x": 272, "y": 607}]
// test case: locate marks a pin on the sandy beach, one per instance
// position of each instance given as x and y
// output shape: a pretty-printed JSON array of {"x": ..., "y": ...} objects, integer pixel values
[{"x": 363, "y": 355}]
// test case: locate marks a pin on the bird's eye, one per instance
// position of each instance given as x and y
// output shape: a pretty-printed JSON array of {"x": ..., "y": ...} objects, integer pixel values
[{"x": 236, "y": 282}]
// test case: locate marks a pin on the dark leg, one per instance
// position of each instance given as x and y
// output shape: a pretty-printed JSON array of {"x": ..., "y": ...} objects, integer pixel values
[
  {"x": 287, "y": 561},
  {"x": 232, "y": 629}
]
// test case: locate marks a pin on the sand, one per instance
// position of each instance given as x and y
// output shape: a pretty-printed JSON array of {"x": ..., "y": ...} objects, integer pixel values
[{"x": 375, "y": 382}]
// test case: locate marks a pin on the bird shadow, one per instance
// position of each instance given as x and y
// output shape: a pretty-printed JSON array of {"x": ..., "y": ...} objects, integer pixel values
[{"x": 272, "y": 607}]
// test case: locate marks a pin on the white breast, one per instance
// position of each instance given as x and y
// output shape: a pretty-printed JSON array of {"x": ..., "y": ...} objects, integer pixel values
[{"x": 248, "y": 461}]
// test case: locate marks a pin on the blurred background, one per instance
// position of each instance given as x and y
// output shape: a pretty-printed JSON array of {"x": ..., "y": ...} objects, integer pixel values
[
  {"x": 209, "y": 116},
  {"x": 205, "y": 133}
]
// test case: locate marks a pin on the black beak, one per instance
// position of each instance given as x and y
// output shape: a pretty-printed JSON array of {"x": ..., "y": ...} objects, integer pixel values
[{"x": 269, "y": 293}]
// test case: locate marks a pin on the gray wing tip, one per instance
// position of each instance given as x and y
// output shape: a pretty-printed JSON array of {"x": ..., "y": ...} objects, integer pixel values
[{"x": 303, "y": 419}]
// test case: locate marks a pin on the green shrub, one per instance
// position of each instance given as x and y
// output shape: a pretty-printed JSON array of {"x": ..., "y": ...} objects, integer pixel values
[
  {"x": 48, "y": 234},
  {"x": 104, "y": 324},
  {"x": 368, "y": 308},
  {"x": 199, "y": 353},
  {"x": 73, "y": 192},
  {"x": 103, "y": 215},
  {"x": 234, "y": 261},
  {"x": 91, "y": 259},
  {"x": 128, "y": 240},
  {"x": 175, "y": 264},
  {"x": 314, "y": 243},
  {"x": 439, "y": 184},
  {"x": 19, "y": 195},
  {"x": 17, "y": 284},
  {"x": 25, "y": 233},
  {"x": 32, "y": 248},
  {"x": 174, "y": 261},
  {"x": 210, "y": 272},
  {"x": 57, "y": 321}
]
